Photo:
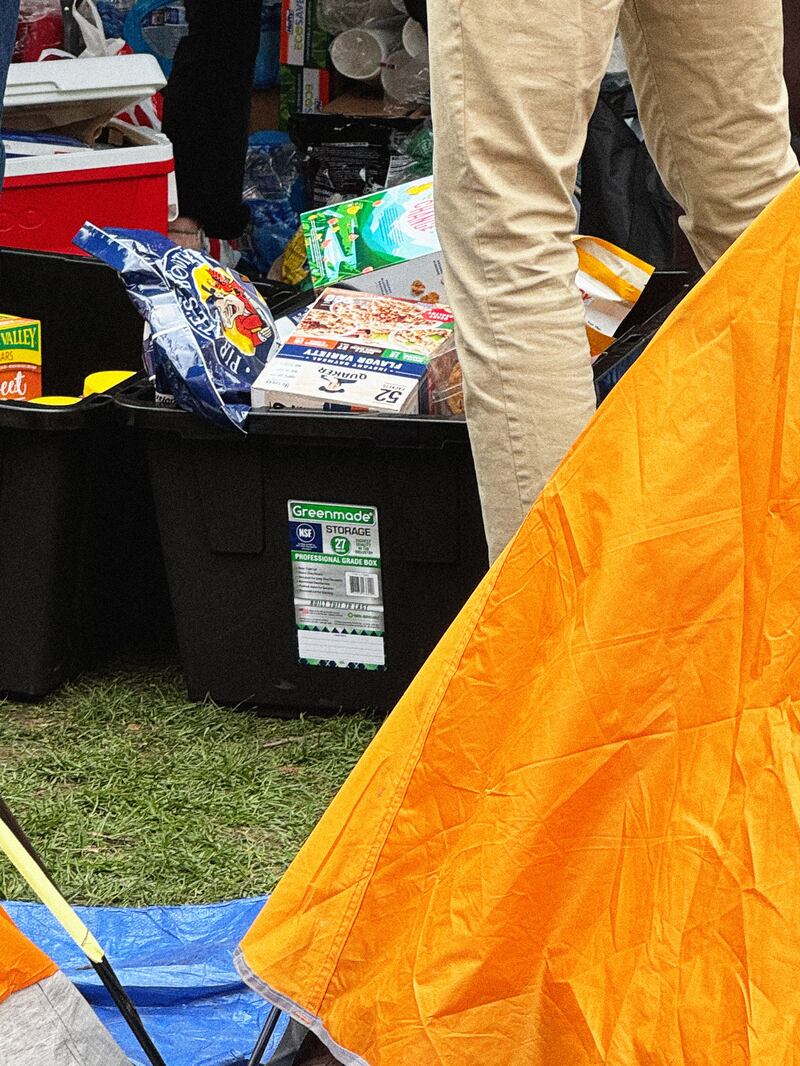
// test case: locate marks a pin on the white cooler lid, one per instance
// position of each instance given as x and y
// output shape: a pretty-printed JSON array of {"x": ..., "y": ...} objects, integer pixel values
[{"x": 59, "y": 91}]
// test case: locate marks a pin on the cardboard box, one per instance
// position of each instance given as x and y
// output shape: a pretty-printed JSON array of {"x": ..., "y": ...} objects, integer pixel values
[
  {"x": 417, "y": 279},
  {"x": 20, "y": 358},
  {"x": 303, "y": 89},
  {"x": 353, "y": 351},
  {"x": 362, "y": 104},
  {"x": 265, "y": 108},
  {"x": 303, "y": 43},
  {"x": 385, "y": 243}
]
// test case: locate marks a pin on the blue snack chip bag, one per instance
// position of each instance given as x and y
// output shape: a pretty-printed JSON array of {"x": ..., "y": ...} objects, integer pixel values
[{"x": 209, "y": 331}]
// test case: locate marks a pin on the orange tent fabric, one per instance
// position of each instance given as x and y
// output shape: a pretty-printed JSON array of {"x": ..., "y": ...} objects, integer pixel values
[
  {"x": 22, "y": 964},
  {"x": 577, "y": 838}
]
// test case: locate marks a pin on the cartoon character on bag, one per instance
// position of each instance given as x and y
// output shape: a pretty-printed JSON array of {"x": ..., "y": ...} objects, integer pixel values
[{"x": 242, "y": 323}]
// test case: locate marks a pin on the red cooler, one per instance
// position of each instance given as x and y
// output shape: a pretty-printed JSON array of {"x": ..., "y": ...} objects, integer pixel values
[{"x": 46, "y": 197}]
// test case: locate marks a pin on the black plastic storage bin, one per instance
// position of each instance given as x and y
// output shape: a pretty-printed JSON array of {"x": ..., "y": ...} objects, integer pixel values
[
  {"x": 50, "y": 459},
  {"x": 80, "y": 562},
  {"x": 222, "y": 505},
  {"x": 663, "y": 294},
  {"x": 221, "y": 500}
]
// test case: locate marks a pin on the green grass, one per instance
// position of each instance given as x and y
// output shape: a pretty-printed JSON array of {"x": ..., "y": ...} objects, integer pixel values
[{"x": 134, "y": 796}]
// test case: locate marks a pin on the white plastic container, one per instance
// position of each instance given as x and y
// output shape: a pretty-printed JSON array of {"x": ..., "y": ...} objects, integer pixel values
[{"x": 335, "y": 16}]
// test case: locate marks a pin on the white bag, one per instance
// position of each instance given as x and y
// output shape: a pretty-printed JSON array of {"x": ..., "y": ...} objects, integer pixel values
[
  {"x": 144, "y": 114},
  {"x": 88, "y": 20}
]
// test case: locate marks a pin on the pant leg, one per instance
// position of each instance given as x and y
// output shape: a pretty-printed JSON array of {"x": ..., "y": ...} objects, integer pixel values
[
  {"x": 708, "y": 77},
  {"x": 9, "y": 11},
  {"x": 207, "y": 111},
  {"x": 513, "y": 87}
]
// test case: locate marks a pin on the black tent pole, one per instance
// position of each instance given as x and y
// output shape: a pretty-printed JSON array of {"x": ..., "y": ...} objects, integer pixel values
[
  {"x": 264, "y": 1037},
  {"x": 127, "y": 1009},
  {"x": 99, "y": 962}
]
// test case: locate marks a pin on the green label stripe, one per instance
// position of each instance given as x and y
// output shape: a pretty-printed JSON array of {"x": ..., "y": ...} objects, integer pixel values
[
  {"x": 302, "y": 510},
  {"x": 410, "y": 357},
  {"x": 405, "y": 357},
  {"x": 24, "y": 338},
  {"x": 364, "y": 562}
]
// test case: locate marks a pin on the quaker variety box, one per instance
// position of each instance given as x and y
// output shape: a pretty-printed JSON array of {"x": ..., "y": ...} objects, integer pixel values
[
  {"x": 355, "y": 351},
  {"x": 20, "y": 358}
]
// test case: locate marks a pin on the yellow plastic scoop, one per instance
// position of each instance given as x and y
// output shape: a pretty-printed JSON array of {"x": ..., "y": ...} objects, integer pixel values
[{"x": 103, "y": 380}]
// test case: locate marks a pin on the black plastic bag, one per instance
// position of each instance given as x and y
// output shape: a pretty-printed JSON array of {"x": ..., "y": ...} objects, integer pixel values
[
  {"x": 622, "y": 196},
  {"x": 343, "y": 156}
]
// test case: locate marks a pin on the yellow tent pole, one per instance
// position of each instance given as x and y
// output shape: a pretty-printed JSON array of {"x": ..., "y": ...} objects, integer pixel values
[
  {"x": 21, "y": 854},
  {"x": 47, "y": 892}
]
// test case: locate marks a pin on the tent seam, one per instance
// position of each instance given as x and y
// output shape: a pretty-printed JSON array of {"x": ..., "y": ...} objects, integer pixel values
[{"x": 306, "y": 1018}]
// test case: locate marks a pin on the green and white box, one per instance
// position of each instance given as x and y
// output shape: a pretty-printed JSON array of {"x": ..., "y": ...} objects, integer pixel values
[
  {"x": 302, "y": 89},
  {"x": 303, "y": 43},
  {"x": 385, "y": 243}
]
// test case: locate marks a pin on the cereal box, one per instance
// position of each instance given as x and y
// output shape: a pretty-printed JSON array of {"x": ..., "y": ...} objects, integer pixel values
[
  {"x": 356, "y": 351},
  {"x": 20, "y": 358},
  {"x": 385, "y": 242}
]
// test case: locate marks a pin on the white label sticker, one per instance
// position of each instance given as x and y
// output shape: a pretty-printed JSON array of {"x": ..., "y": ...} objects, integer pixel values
[{"x": 338, "y": 587}]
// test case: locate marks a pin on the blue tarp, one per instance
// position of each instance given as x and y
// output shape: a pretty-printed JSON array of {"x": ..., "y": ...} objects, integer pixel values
[{"x": 176, "y": 964}]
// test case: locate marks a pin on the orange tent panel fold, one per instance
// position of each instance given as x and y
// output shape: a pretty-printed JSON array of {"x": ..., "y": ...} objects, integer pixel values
[{"x": 22, "y": 964}]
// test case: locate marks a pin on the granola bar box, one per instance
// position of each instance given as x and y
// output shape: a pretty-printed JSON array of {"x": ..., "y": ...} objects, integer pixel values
[
  {"x": 20, "y": 358},
  {"x": 385, "y": 242}
]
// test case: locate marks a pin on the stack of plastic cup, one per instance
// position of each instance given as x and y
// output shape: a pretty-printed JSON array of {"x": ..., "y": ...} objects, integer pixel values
[
  {"x": 406, "y": 78},
  {"x": 415, "y": 39},
  {"x": 336, "y": 16},
  {"x": 360, "y": 53}
]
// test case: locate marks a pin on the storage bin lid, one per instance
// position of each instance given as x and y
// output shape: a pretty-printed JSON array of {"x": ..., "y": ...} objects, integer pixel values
[{"x": 57, "y": 92}]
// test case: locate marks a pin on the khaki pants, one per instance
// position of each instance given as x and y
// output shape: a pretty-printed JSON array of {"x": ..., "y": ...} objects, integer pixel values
[{"x": 514, "y": 85}]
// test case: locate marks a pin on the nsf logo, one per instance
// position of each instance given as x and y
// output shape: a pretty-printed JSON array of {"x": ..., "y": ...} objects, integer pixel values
[{"x": 306, "y": 536}]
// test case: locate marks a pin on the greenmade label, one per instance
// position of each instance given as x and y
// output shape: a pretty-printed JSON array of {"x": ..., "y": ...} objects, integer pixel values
[
  {"x": 331, "y": 512},
  {"x": 338, "y": 584}
]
